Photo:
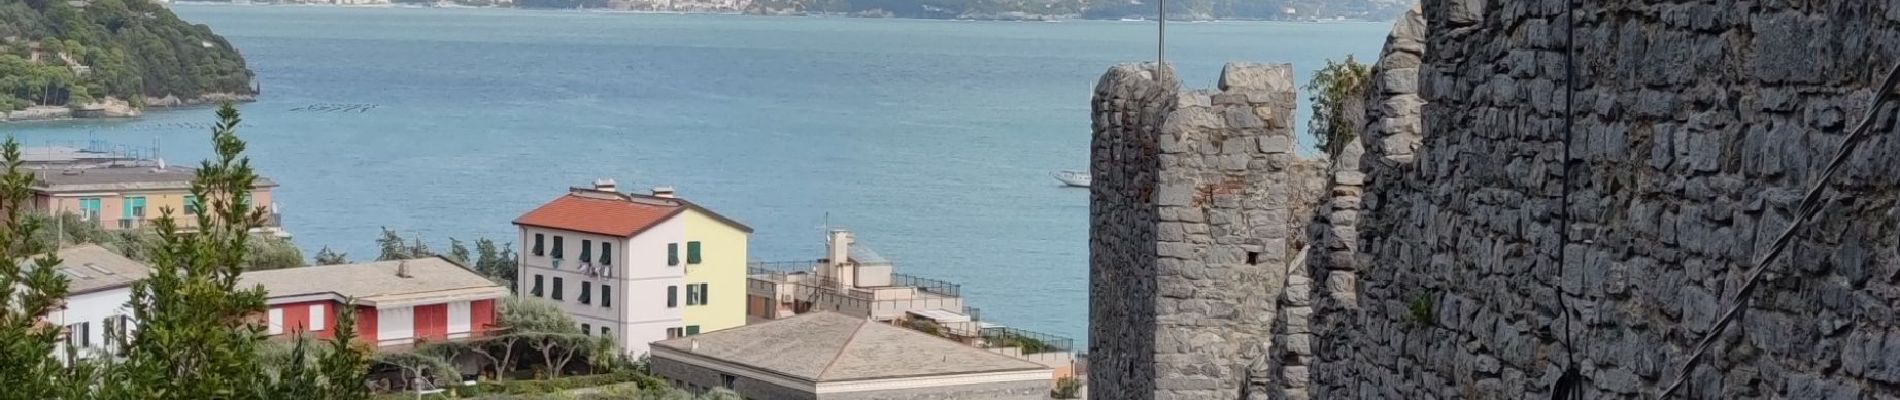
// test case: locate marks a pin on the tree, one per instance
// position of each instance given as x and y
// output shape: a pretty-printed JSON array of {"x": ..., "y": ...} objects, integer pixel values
[
  {"x": 1339, "y": 92},
  {"x": 459, "y": 252},
  {"x": 331, "y": 257},
  {"x": 273, "y": 253},
  {"x": 29, "y": 291},
  {"x": 393, "y": 246},
  {"x": 497, "y": 263},
  {"x": 347, "y": 363},
  {"x": 195, "y": 337}
]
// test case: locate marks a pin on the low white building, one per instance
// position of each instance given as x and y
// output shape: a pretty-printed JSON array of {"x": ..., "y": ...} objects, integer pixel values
[{"x": 101, "y": 285}]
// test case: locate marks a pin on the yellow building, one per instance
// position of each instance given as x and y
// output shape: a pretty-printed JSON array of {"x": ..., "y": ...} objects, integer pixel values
[
  {"x": 131, "y": 197},
  {"x": 638, "y": 268}
]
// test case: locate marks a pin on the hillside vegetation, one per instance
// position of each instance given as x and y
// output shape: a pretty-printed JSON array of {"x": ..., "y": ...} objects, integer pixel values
[{"x": 60, "y": 52}]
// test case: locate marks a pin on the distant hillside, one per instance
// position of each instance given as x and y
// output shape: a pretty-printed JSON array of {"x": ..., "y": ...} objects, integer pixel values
[
  {"x": 74, "y": 52},
  {"x": 1094, "y": 9}
]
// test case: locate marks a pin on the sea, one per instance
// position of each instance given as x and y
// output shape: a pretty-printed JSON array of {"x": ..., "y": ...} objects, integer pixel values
[{"x": 932, "y": 140}]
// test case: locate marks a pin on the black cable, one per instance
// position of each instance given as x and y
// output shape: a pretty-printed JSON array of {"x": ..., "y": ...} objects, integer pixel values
[{"x": 1810, "y": 205}]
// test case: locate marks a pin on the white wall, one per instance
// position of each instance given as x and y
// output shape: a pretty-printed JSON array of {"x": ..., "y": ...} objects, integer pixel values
[
  {"x": 93, "y": 308},
  {"x": 395, "y": 325},
  {"x": 639, "y": 279}
]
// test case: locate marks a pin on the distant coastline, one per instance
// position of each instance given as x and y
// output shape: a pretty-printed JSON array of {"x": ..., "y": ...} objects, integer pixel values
[
  {"x": 113, "y": 108},
  {"x": 869, "y": 14}
]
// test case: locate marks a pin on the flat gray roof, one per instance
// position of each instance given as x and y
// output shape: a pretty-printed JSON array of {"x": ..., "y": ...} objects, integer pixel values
[
  {"x": 91, "y": 268},
  {"x": 122, "y": 179},
  {"x": 828, "y": 346}
]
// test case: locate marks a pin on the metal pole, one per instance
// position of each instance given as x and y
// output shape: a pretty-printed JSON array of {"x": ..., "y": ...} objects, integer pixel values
[{"x": 1161, "y": 42}]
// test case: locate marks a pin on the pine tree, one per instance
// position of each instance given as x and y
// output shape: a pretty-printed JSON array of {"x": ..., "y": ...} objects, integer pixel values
[
  {"x": 331, "y": 257},
  {"x": 459, "y": 252},
  {"x": 393, "y": 246}
]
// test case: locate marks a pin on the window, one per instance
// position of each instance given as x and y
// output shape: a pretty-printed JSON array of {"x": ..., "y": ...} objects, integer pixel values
[
  {"x": 674, "y": 332},
  {"x": 537, "y": 286},
  {"x": 587, "y": 250},
  {"x": 692, "y": 252},
  {"x": 672, "y": 296},
  {"x": 557, "y": 288},
  {"x": 672, "y": 254},
  {"x": 587, "y": 328},
  {"x": 607, "y": 296},
  {"x": 587, "y": 291},
  {"x": 604, "y": 332},
  {"x": 537, "y": 245},
  {"x": 317, "y": 317},
  {"x": 726, "y": 381},
  {"x": 89, "y": 209},
  {"x": 696, "y": 294},
  {"x": 276, "y": 326},
  {"x": 79, "y": 335},
  {"x": 191, "y": 205},
  {"x": 606, "y": 253},
  {"x": 557, "y": 246},
  {"x": 134, "y": 208},
  {"x": 692, "y": 330}
]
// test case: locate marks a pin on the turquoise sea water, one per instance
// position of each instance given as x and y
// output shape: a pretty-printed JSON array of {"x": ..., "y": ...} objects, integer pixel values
[{"x": 933, "y": 140}]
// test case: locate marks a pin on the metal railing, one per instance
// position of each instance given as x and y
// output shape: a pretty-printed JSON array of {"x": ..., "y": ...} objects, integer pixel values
[
  {"x": 926, "y": 284},
  {"x": 1031, "y": 342}
]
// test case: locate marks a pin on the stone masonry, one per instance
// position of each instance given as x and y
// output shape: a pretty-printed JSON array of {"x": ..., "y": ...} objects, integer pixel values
[
  {"x": 1197, "y": 201},
  {"x": 1472, "y": 247}
]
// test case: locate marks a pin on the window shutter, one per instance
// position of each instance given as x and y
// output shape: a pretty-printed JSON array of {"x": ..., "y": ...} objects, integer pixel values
[
  {"x": 587, "y": 250},
  {"x": 317, "y": 317},
  {"x": 704, "y": 297},
  {"x": 672, "y": 254},
  {"x": 692, "y": 252},
  {"x": 276, "y": 321},
  {"x": 557, "y": 246},
  {"x": 692, "y": 330},
  {"x": 537, "y": 285},
  {"x": 606, "y": 296},
  {"x": 587, "y": 289},
  {"x": 557, "y": 289},
  {"x": 606, "y": 253},
  {"x": 672, "y": 296},
  {"x": 537, "y": 245}
]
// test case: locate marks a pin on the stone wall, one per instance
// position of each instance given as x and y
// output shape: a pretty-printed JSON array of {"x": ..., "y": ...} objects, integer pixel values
[
  {"x": 1196, "y": 209},
  {"x": 1493, "y": 229},
  {"x": 1697, "y": 126}
]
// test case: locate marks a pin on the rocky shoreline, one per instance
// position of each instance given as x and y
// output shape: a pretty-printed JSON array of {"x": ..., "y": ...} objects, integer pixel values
[{"x": 114, "y": 108}]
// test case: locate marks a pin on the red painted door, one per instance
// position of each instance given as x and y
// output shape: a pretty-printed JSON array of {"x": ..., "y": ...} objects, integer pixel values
[{"x": 432, "y": 322}]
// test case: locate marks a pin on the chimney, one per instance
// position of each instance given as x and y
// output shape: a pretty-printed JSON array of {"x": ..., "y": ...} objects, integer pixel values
[
  {"x": 664, "y": 192},
  {"x": 402, "y": 269},
  {"x": 606, "y": 185},
  {"x": 838, "y": 253}
]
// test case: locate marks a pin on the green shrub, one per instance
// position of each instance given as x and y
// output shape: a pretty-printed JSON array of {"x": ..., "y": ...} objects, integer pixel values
[
  {"x": 1067, "y": 388},
  {"x": 1419, "y": 311}
]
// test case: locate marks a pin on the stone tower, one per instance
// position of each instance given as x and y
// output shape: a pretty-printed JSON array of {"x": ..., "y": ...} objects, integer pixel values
[{"x": 1195, "y": 214}]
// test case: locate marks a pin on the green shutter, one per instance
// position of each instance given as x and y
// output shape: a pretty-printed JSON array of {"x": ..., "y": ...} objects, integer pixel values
[
  {"x": 587, "y": 250},
  {"x": 606, "y": 296},
  {"x": 704, "y": 297},
  {"x": 672, "y": 296},
  {"x": 606, "y": 253},
  {"x": 692, "y": 330},
  {"x": 672, "y": 254},
  {"x": 692, "y": 252}
]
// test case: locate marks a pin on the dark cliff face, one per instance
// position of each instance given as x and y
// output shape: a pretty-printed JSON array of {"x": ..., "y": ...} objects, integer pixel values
[{"x": 128, "y": 49}]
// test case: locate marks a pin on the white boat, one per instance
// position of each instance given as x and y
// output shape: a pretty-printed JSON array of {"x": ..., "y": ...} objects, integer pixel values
[{"x": 1073, "y": 178}]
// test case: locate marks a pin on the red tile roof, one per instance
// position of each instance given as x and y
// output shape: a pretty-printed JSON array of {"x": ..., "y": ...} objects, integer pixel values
[{"x": 606, "y": 216}]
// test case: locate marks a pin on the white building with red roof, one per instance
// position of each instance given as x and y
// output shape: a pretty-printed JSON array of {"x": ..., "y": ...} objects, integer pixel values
[{"x": 635, "y": 267}]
